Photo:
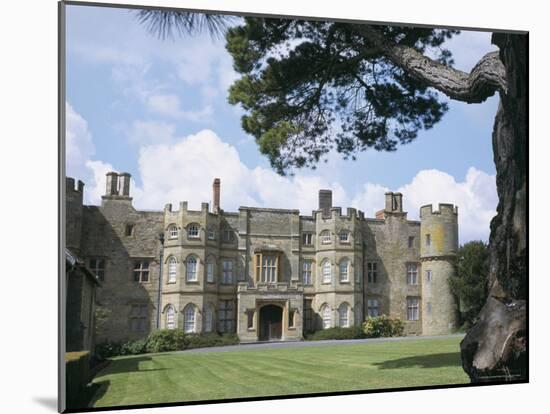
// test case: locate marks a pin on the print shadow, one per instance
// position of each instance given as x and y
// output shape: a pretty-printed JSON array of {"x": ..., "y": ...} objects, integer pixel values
[
  {"x": 450, "y": 359},
  {"x": 94, "y": 392}
]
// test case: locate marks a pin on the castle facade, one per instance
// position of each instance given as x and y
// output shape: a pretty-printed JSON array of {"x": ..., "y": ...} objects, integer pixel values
[{"x": 265, "y": 274}]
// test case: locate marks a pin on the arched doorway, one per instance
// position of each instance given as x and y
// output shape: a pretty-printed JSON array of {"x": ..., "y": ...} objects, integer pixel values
[{"x": 271, "y": 323}]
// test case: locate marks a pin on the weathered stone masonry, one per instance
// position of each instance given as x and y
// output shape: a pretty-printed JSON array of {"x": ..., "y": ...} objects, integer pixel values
[{"x": 265, "y": 274}]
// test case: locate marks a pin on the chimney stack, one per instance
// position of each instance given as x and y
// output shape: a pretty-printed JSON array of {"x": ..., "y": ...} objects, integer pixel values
[
  {"x": 394, "y": 202},
  {"x": 124, "y": 182},
  {"x": 325, "y": 201},
  {"x": 216, "y": 195},
  {"x": 112, "y": 184}
]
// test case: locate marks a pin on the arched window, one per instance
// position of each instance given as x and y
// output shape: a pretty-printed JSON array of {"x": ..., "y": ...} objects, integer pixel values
[
  {"x": 344, "y": 270},
  {"x": 192, "y": 264},
  {"x": 189, "y": 319},
  {"x": 173, "y": 232},
  {"x": 208, "y": 318},
  {"x": 327, "y": 271},
  {"x": 325, "y": 237},
  {"x": 210, "y": 270},
  {"x": 193, "y": 231},
  {"x": 326, "y": 316},
  {"x": 170, "y": 317},
  {"x": 343, "y": 315},
  {"x": 172, "y": 269}
]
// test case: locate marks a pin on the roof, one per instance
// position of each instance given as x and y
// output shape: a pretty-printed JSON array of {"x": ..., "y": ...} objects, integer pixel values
[{"x": 75, "y": 262}]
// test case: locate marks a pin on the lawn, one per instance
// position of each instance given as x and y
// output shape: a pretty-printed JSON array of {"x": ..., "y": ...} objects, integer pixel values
[{"x": 172, "y": 377}]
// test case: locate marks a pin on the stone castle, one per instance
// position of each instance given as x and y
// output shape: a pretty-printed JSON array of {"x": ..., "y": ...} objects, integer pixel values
[{"x": 262, "y": 273}]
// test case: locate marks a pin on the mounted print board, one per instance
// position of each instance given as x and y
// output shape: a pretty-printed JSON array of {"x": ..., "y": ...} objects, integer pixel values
[{"x": 263, "y": 207}]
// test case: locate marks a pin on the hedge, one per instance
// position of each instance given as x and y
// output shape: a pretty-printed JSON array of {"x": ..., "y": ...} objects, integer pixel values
[
  {"x": 164, "y": 340},
  {"x": 354, "y": 332}
]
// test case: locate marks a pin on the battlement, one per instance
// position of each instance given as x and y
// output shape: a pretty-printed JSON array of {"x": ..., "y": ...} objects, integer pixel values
[
  {"x": 183, "y": 208},
  {"x": 444, "y": 209},
  {"x": 336, "y": 214},
  {"x": 70, "y": 185}
]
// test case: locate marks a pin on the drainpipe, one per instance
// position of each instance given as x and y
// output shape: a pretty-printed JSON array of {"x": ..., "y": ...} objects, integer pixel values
[{"x": 161, "y": 240}]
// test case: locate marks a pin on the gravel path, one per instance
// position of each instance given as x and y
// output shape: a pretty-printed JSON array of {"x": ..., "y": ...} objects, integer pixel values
[{"x": 301, "y": 344}]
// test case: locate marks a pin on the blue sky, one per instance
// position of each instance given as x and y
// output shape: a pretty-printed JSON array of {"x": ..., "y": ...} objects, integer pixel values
[{"x": 158, "y": 110}]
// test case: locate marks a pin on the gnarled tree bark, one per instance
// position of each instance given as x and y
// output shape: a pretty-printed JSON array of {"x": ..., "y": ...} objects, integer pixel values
[{"x": 495, "y": 348}]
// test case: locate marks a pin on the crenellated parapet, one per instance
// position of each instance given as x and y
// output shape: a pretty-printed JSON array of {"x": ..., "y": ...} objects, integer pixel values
[{"x": 438, "y": 230}]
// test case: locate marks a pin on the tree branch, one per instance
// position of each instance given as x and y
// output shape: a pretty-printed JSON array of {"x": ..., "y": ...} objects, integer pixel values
[{"x": 487, "y": 77}]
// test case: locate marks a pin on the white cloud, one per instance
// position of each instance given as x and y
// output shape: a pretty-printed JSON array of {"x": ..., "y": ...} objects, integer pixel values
[
  {"x": 170, "y": 105},
  {"x": 142, "y": 133},
  {"x": 79, "y": 145},
  {"x": 184, "y": 168},
  {"x": 475, "y": 197}
]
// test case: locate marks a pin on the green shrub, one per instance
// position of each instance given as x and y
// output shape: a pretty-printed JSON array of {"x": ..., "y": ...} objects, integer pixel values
[
  {"x": 166, "y": 340},
  {"x": 77, "y": 371},
  {"x": 134, "y": 347},
  {"x": 354, "y": 332},
  {"x": 229, "y": 339},
  {"x": 211, "y": 339},
  {"x": 383, "y": 326}
]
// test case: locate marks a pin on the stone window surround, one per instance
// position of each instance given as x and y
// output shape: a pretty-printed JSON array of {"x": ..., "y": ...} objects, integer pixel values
[
  {"x": 170, "y": 311},
  {"x": 348, "y": 266},
  {"x": 193, "y": 231},
  {"x": 230, "y": 270},
  {"x": 413, "y": 308},
  {"x": 308, "y": 270},
  {"x": 172, "y": 261},
  {"x": 190, "y": 320},
  {"x": 346, "y": 320},
  {"x": 412, "y": 273},
  {"x": 326, "y": 237},
  {"x": 192, "y": 277},
  {"x": 347, "y": 234},
  {"x": 210, "y": 270},
  {"x": 173, "y": 231},
  {"x": 141, "y": 270},
  {"x": 307, "y": 238},
  {"x": 209, "y": 312},
  {"x": 372, "y": 272},
  {"x": 373, "y": 306},
  {"x": 211, "y": 234},
  {"x": 326, "y": 315},
  {"x": 326, "y": 277}
]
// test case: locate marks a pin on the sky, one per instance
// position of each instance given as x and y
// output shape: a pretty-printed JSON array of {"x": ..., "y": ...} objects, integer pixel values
[{"x": 158, "y": 110}]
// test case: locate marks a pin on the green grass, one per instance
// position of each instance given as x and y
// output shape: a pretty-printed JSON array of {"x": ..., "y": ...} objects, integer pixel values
[{"x": 173, "y": 377}]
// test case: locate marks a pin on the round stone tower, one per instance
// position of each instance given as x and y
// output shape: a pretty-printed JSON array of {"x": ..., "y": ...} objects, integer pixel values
[{"x": 438, "y": 250}]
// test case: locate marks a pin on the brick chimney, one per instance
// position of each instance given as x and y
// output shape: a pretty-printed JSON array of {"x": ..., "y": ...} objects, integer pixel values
[
  {"x": 216, "y": 195},
  {"x": 325, "y": 201}
]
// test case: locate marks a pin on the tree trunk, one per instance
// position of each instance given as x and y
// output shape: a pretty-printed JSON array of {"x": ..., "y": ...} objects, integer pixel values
[{"x": 496, "y": 347}]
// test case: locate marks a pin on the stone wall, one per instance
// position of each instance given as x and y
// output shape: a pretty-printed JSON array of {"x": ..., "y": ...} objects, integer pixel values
[{"x": 391, "y": 241}]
